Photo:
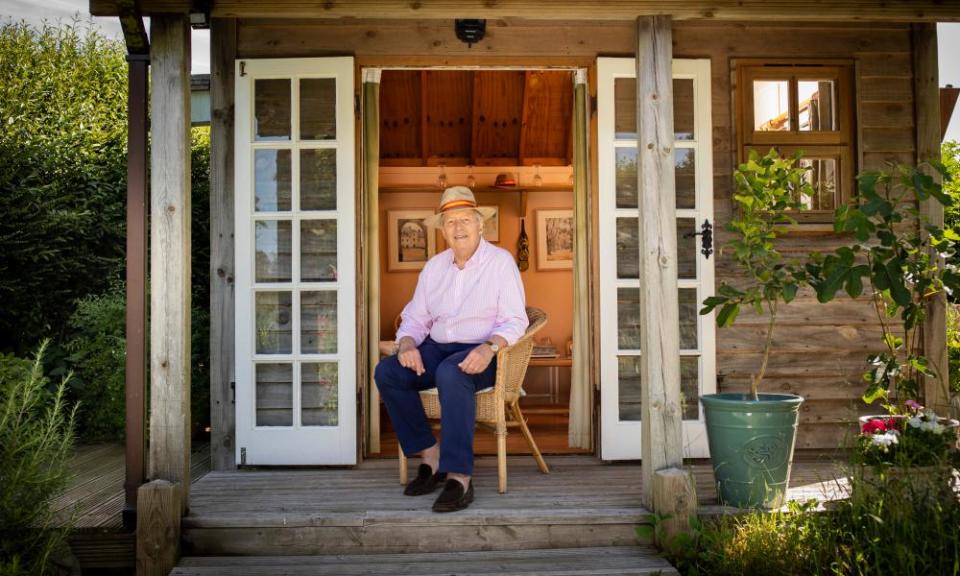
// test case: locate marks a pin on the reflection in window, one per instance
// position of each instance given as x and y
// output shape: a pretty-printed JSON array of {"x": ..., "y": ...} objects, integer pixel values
[
  {"x": 816, "y": 105},
  {"x": 685, "y": 175},
  {"x": 628, "y": 318},
  {"x": 271, "y": 189},
  {"x": 274, "y": 394},
  {"x": 274, "y": 322},
  {"x": 628, "y": 393},
  {"x": 771, "y": 105},
  {"x": 271, "y": 110},
  {"x": 626, "y": 177},
  {"x": 318, "y": 390},
  {"x": 273, "y": 251},
  {"x": 628, "y": 248},
  {"x": 822, "y": 176}
]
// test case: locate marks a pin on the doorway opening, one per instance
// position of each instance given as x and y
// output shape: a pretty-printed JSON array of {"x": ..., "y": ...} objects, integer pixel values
[{"x": 508, "y": 135}]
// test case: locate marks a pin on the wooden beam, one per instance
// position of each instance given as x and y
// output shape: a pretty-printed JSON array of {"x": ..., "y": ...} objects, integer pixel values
[
  {"x": 927, "y": 108},
  {"x": 135, "y": 375},
  {"x": 223, "y": 51},
  {"x": 158, "y": 528},
  {"x": 170, "y": 252},
  {"x": 659, "y": 308},
  {"x": 791, "y": 10},
  {"x": 948, "y": 101},
  {"x": 675, "y": 497}
]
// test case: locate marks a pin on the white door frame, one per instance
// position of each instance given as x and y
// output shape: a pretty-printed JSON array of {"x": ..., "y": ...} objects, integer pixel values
[
  {"x": 620, "y": 439},
  {"x": 295, "y": 444}
]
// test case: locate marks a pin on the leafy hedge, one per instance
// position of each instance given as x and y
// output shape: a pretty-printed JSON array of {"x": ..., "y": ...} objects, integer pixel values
[{"x": 62, "y": 175}]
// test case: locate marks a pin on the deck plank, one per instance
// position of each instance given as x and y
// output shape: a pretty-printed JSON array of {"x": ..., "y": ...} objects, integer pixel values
[{"x": 551, "y": 562}]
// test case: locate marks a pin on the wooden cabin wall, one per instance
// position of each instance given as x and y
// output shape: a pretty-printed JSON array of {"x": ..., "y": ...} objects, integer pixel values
[
  {"x": 819, "y": 350},
  {"x": 551, "y": 290}
]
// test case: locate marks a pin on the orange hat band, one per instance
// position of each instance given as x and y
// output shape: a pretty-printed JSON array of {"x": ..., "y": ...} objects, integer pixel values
[{"x": 455, "y": 204}]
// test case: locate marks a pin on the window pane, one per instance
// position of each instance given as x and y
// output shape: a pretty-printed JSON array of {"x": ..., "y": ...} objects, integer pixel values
[
  {"x": 771, "y": 108},
  {"x": 626, "y": 177},
  {"x": 628, "y": 376},
  {"x": 273, "y": 251},
  {"x": 272, "y": 180},
  {"x": 625, "y": 108},
  {"x": 318, "y": 390},
  {"x": 274, "y": 323},
  {"x": 318, "y": 322},
  {"x": 689, "y": 312},
  {"x": 686, "y": 248},
  {"x": 683, "y": 109},
  {"x": 318, "y": 250},
  {"x": 628, "y": 248},
  {"x": 274, "y": 395},
  {"x": 685, "y": 168},
  {"x": 271, "y": 110},
  {"x": 822, "y": 176},
  {"x": 690, "y": 387},
  {"x": 318, "y": 109},
  {"x": 817, "y": 110},
  {"x": 318, "y": 179},
  {"x": 628, "y": 318}
]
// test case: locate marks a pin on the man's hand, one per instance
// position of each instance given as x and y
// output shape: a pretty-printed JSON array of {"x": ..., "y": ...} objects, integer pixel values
[
  {"x": 477, "y": 360},
  {"x": 409, "y": 355}
]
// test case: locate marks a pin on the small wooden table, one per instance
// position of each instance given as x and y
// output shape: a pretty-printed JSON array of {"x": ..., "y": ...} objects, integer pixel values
[{"x": 553, "y": 366}]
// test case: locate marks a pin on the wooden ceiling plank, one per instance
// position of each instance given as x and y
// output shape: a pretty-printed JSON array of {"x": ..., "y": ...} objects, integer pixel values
[
  {"x": 788, "y": 10},
  {"x": 521, "y": 149}
]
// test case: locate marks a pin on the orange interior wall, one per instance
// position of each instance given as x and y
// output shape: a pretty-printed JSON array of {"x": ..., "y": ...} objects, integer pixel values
[{"x": 550, "y": 290}]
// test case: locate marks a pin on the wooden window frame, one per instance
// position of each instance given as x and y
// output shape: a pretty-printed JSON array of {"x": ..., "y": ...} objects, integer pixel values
[{"x": 838, "y": 144}]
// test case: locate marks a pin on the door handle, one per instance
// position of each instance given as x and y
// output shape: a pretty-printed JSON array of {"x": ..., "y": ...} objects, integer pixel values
[{"x": 706, "y": 243}]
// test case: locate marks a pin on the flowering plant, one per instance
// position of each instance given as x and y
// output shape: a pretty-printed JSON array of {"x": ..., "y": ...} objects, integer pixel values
[{"x": 918, "y": 437}]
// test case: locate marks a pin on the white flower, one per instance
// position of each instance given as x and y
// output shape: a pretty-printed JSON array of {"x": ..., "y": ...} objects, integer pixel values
[
  {"x": 926, "y": 421},
  {"x": 885, "y": 439}
]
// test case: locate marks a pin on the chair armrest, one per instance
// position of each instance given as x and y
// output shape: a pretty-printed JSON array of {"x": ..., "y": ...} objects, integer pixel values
[{"x": 387, "y": 347}]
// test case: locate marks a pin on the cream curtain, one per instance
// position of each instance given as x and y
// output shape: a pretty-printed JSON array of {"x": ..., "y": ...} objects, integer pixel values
[
  {"x": 371, "y": 245},
  {"x": 581, "y": 394}
]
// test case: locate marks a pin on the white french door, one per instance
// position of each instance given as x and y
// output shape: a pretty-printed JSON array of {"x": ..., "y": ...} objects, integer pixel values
[
  {"x": 295, "y": 262},
  {"x": 619, "y": 215}
]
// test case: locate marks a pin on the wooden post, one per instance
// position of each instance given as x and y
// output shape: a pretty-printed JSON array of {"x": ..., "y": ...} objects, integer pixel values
[
  {"x": 927, "y": 106},
  {"x": 170, "y": 252},
  {"x": 136, "y": 313},
  {"x": 223, "y": 52},
  {"x": 659, "y": 309},
  {"x": 158, "y": 528},
  {"x": 674, "y": 496}
]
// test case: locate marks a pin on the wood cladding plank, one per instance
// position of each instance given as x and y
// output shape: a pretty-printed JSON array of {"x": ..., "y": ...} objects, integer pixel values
[
  {"x": 448, "y": 106},
  {"x": 400, "y": 115},
  {"x": 546, "y": 127},
  {"x": 497, "y": 117}
]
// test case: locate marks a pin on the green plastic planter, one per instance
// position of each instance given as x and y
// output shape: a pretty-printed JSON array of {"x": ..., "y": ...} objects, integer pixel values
[{"x": 751, "y": 446}]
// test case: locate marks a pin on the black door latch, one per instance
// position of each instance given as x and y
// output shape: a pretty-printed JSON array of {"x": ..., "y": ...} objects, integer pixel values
[{"x": 706, "y": 243}]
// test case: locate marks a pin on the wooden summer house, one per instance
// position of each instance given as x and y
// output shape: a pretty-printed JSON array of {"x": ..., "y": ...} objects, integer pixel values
[{"x": 608, "y": 130}]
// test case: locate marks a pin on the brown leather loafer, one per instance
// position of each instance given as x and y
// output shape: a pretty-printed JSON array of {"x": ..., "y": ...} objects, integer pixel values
[
  {"x": 425, "y": 482},
  {"x": 453, "y": 497}
]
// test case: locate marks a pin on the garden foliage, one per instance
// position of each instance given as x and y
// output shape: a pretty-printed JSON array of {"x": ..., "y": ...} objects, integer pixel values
[
  {"x": 62, "y": 175},
  {"x": 36, "y": 438}
]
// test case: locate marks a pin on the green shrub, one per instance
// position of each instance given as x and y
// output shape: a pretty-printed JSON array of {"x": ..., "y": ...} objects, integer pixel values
[
  {"x": 36, "y": 438},
  {"x": 97, "y": 355},
  {"x": 953, "y": 345},
  {"x": 892, "y": 524},
  {"x": 62, "y": 174}
]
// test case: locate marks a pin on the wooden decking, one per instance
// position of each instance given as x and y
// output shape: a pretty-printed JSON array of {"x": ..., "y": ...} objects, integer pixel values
[{"x": 94, "y": 498}]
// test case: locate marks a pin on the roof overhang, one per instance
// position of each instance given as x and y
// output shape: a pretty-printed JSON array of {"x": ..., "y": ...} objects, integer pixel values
[
  {"x": 948, "y": 102},
  {"x": 742, "y": 10}
]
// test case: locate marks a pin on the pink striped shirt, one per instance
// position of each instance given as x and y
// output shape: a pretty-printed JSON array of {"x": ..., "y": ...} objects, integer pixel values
[{"x": 468, "y": 306}]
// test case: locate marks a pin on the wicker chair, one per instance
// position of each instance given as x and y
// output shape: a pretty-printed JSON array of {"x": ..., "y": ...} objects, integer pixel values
[{"x": 498, "y": 408}]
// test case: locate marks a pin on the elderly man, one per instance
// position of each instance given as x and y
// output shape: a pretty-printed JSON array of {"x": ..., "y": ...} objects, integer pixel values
[{"x": 469, "y": 302}]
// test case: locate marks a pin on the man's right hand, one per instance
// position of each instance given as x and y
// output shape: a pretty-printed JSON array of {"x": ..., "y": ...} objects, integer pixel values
[{"x": 409, "y": 356}]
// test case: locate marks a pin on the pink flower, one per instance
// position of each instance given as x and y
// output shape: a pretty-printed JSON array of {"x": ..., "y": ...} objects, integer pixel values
[
  {"x": 914, "y": 405},
  {"x": 874, "y": 426}
]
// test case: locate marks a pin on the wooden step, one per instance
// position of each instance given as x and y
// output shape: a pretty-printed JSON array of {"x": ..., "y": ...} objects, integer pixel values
[
  {"x": 581, "y": 503},
  {"x": 626, "y": 560}
]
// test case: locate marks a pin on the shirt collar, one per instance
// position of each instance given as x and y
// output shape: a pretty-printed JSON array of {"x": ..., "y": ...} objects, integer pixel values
[{"x": 476, "y": 259}]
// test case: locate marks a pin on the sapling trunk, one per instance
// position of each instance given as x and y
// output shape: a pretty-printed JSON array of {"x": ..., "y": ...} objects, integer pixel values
[{"x": 758, "y": 378}]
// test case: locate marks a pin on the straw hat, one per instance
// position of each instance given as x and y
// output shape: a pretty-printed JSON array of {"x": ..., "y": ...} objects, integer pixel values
[{"x": 458, "y": 198}]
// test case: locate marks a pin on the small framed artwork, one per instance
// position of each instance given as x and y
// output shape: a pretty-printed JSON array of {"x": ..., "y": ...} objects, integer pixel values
[
  {"x": 409, "y": 242},
  {"x": 554, "y": 239},
  {"x": 491, "y": 225}
]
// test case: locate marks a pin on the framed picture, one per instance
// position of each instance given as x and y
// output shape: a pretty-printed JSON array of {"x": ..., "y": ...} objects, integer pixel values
[
  {"x": 409, "y": 242},
  {"x": 554, "y": 239},
  {"x": 491, "y": 225}
]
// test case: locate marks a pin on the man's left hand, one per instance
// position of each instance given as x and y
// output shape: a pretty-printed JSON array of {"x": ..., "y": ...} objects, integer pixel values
[{"x": 477, "y": 360}]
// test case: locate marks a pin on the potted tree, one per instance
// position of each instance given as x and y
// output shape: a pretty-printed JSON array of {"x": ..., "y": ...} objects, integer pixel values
[
  {"x": 906, "y": 265},
  {"x": 752, "y": 435}
]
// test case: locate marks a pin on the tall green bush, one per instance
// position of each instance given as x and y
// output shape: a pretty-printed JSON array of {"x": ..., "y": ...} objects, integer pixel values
[
  {"x": 62, "y": 174},
  {"x": 36, "y": 439}
]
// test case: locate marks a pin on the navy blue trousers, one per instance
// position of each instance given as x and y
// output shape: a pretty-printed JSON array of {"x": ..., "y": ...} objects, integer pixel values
[{"x": 400, "y": 389}]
